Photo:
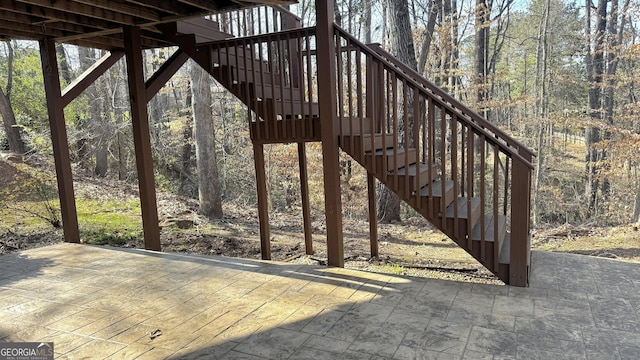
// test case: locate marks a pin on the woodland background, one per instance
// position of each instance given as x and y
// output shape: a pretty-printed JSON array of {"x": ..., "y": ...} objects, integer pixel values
[{"x": 559, "y": 75}]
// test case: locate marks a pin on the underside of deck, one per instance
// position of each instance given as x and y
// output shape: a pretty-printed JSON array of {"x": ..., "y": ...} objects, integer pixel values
[{"x": 101, "y": 302}]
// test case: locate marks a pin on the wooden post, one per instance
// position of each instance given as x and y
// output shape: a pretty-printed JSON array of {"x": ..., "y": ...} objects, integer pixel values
[
  {"x": 141, "y": 137},
  {"x": 520, "y": 222},
  {"x": 263, "y": 201},
  {"x": 326, "y": 58},
  {"x": 304, "y": 192},
  {"x": 373, "y": 216},
  {"x": 59, "y": 140}
]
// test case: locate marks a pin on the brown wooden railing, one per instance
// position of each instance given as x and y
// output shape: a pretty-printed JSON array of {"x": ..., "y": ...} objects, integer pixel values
[
  {"x": 275, "y": 74},
  {"x": 256, "y": 20},
  {"x": 423, "y": 124},
  {"x": 460, "y": 172}
]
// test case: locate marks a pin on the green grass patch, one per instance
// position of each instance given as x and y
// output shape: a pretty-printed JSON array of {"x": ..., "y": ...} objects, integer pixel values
[{"x": 114, "y": 223}]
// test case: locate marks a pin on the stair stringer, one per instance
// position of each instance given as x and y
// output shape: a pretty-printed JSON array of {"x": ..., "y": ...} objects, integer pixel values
[{"x": 435, "y": 217}]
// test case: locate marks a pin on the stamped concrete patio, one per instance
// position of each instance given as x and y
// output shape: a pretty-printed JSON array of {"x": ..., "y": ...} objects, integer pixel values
[{"x": 101, "y": 302}]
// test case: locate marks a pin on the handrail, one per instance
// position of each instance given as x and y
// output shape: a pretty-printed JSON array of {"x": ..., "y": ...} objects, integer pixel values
[
  {"x": 428, "y": 85},
  {"x": 257, "y": 19},
  {"x": 453, "y": 105},
  {"x": 280, "y": 35}
]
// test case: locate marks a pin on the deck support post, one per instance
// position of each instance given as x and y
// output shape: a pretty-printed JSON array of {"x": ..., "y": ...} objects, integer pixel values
[
  {"x": 263, "y": 201},
  {"x": 329, "y": 130},
  {"x": 520, "y": 221},
  {"x": 373, "y": 216},
  {"x": 142, "y": 137},
  {"x": 55, "y": 108},
  {"x": 304, "y": 192}
]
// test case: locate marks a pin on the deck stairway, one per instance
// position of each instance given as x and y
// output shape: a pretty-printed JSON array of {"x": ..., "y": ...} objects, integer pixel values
[{"x": 464, "y": 175}]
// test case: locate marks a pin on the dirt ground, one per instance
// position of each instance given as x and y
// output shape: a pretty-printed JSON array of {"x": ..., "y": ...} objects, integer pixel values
[{"x": 412, "y": 248}]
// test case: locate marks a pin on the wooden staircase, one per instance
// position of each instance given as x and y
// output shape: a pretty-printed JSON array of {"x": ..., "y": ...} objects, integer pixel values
[{"x": 464, "y": 175}]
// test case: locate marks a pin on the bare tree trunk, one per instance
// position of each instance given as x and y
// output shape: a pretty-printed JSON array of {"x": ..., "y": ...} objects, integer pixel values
[
  {"x": 447, "y": 44},
  {"x": 367, "y": 21},
  {"x": 98, "y": 123},
  {"x": 636, "y": 210},
  {"x": 428, "y": 35},
  {"x": 482, "y": 26},
  {"x": 9, "y": 122},
  {"x": 615, "y": 38},
  {"x": 187, "y": 136},
  {"x": 595, "y": 68},
  {"x": 540, "y": 102},
  {"x": 208, "y": 180},
  {"x": 402, "y": 46}
]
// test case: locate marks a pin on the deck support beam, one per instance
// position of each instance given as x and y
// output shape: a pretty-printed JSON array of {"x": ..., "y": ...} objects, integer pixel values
[
  {"x": 142, "y": 137},
  {"x": 373, "y": 216},
  {"x": 520, "y": 246},
  {"x": 263, "y": 201},
  {"x": 304, "y": 193},
  {"x": 77, "y": 87},
  {"x": 329, "y": 131},
  {"x": 55, "y": 107}
]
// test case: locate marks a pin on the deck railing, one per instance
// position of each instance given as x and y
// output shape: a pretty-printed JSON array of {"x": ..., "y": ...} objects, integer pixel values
[
  {"x": 275, "y": 74},
  {"x": 382, "y": 103},
  {"x": 377, "y": 92},
  {"x": 256, "y": 20}
]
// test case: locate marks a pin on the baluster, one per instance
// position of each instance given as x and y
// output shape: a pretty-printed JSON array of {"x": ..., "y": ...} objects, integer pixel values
[
  {"x": 432, "y": 158},
  {"x": 396, "y": 128},
  {"x": 454, "y": 172},
  {"x": 470, "y": 177},
  {"x": 496, "y": 222},
  {"x": 483, "y": 156},
  {"x": 341, "y": 85},
  {"x": 417, "y": 120},
  {"x": 405, "y": 141},
  {"x": 443, "y": 166}
]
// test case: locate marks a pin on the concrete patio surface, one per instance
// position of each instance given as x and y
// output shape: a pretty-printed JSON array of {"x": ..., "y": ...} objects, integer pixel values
[{"x": 101, "y": 302}]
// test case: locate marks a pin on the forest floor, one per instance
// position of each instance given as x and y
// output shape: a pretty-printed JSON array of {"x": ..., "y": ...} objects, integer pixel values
[{"x": 107, "y": 214}]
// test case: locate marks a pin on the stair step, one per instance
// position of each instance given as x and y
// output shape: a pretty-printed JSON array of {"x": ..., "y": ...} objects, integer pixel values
[
  {"x": 489, "y": 231},
  {"x": 505, "y": 250},
  {"x": 396, "y": 159},
  {"x": 437, "y": 189},
  {"x": 365, "y": 143},
  {"x": 413, "y": 171},
  {"x": 463, "y": 210},
  {"x": 504, "y": 259},
  {"x": 430, "y": 207}
]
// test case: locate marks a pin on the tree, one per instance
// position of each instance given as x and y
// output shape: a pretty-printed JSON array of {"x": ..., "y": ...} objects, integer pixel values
[
  {"x": 11, "y": 129},
  {"x": 541, "y": 99},
  {"x": 594, "y": 60},
  {"x": 388, "y": 204},
  {"x": 483, "y": 27},
  {"x": 208, "y": 180}
]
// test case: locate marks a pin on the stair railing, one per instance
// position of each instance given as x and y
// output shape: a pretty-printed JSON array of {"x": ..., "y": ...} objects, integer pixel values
[
  {"x": 378, "y": 94},
  {"x": 256, "y": 20},
  {"x": 275, "y": 74}
]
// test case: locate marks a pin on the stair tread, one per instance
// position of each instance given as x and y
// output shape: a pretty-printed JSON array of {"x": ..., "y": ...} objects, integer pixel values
[
  {"x": 412, "y": 169},
  {"x": 377, "y": 135},
  {"x": 391, "y": 151},
  {"x": 505, "y": 252},
  {"x": 462, "y": 207},
  {"x": 437, "y": 188},
  {"x": 489, "y": 228}
]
